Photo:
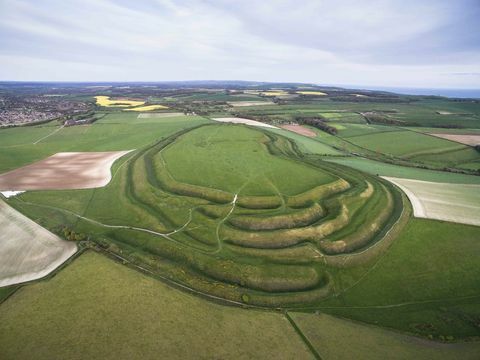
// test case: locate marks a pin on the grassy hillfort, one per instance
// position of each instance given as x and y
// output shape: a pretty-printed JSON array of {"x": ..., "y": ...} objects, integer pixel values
[{"x": 292, "y": 211}]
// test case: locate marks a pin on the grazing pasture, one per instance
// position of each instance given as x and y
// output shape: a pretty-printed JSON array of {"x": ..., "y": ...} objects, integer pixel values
[
  {"x": 27, "y": 250},
  {"x": 66, "y": 170},
  {"x": 442, "y": 201},
  {"x": 98, "y": 309}
]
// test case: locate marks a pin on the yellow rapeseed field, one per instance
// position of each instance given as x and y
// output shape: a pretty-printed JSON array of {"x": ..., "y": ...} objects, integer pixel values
[
  {"x": 318, "y": 93},
  {"x": 105, "y": 101},
  {"x": 148, "y": 108},
  {"x": 274, "y": 93}
]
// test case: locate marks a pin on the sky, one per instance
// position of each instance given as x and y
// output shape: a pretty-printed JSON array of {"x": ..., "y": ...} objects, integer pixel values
[{"x": 396, "y": 43}]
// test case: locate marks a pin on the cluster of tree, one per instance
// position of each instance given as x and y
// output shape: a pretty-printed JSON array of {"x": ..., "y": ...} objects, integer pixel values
[
  {"x": 377, "y": 118},
  {"x": 448, "y": 126},
  {"x": 317, "y": 122},
  {"x": 72, "y": 235}
]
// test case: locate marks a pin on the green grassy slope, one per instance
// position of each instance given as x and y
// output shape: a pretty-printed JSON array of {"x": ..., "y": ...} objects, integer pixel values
[{"x": 96, "y": 308}]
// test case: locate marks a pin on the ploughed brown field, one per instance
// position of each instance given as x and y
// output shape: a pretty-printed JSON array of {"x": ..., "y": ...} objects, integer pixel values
[
  {"x": 65, "y": 170},
  {"x": 470, "y": 139},
  {"x": 299, "y": 129}
]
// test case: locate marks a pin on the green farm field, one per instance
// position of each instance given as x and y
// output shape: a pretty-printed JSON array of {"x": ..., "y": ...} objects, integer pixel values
[
  {"x": 408, "y": 172},
  {"x": 116, "y": 131}
]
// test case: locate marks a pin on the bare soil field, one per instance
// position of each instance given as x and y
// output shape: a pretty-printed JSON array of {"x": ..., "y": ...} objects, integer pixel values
[
  {"x": 249, "y": 103},
  {"x": 458, "y": 203},
  {"x": 299, "y": 129},
  {"x": 65, "y": 170},
  {"x": 27, "y": 250},
  {"x": 470, "y": 139},
  {"x": 244, "y": 121}
]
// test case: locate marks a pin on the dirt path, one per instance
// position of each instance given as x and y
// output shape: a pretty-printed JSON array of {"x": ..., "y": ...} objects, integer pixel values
[{"x": 53, "y": 132}]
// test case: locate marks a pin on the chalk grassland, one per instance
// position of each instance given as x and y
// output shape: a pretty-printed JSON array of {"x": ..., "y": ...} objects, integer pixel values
[
  {"x": 114, "y": 132},
  {"x": 238, "y": 227},
  {"x": 339, "y": 339},
  {"x": 449, "y": 202},
  {"x": 148, "y": 108},
  {"x": 471, "y": 140},
  {"x": 244, "y": 121},
  {"x": 107, "y": 102},
  {"x": 98, "y": 309},
  {"x": 65, "y": 170},
  {"x": 427, "y": 283},
  {"x": 27, "y": 250}
]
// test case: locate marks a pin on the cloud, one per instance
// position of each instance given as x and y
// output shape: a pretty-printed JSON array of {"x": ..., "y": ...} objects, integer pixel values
[{"x": 389, "y": 42}]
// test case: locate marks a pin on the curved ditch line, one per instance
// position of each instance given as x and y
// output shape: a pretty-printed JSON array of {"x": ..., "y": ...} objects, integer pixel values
[
  {"x": 187, "y": 288},
  {"x": 124, "y": 162},
  {"x": 53, "y": 132},
  {"x": 346, "y": 257}
]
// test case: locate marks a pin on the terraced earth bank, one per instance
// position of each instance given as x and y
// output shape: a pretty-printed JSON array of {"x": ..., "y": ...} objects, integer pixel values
[{"x": 241, "y": 214}]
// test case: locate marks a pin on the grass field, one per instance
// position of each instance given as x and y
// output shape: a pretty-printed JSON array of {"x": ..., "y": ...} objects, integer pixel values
[
  {"x": 335, "y": 338},
  {"x": 405, "y": 143},
  {"x": 427, "y": 283},
  {"x": 98, "y": 309}
]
